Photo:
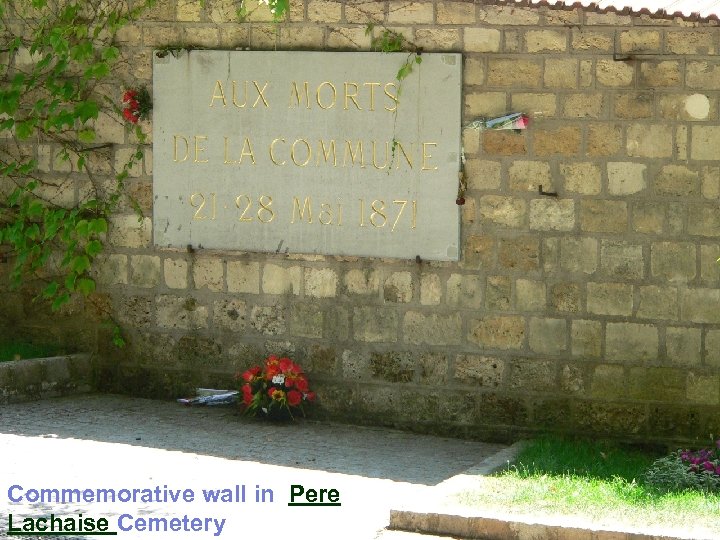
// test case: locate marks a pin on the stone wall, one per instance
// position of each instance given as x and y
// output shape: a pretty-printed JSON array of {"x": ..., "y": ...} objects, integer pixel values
[{"x": 597, "y": 311}]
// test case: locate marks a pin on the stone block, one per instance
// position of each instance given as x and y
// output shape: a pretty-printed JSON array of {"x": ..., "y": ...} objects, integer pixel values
[
  {"x": 702, "y": 75},
  {"x": 552, "y": 215},
  {"x": 437, "y": 39},
  {"x": 682, "y": 346},
  {"x": 631, "y": 342},
  {"x": 481, "y": 40},
  {"x": 505, "y": 16},
  {"x": 566, "y": 297},
  {"x": 527, "y": 175},
  {"x": 578, "y": 255},
  {"x": 306, "y": 320},
  {"x": 498, "y": 293},
  {"x": 392, "y": 367},
  {"x": 268, "y": 320},
  {"x": 284, "y": 280},
  {"x": 550, "y": 254},
  {"x": 455, "y": 13},
  {"x": 434, "y": 329},
  {"x": 690, "y": 42},
  {"x": 609, "y": 382},
  {"x": 498, "y": 332},
  {"x": 712, "y": 348},
  {"x": 704, "y": 142},
  {"x": 560, "y": 73},
  {"x": 626, "y": 178},
  {"x": 208, "y": 272},
  {"x": 519, "y": 253},
  {"x": 507, "y": 72},
  {"x": 229, "y": 314},
  {"x": 703, "y": 220},
  {"x": 653, "y": 382},
  {"x": 711, "y": 182},
  {"x": 584, "y": 39},
  {"x": 700, "y": 305},
  {"x": 648, "y": 217},
  {"x": 364, "y": 282},
  {"x": 598, "y": 215},
  {"x": 373, "y": 325},
  {"x": 583, "y": 178},
  {"x": 584, "y": 105},
  {"x": 485, "y": 104},
  {"x": 243, "y": 277},
  {"x": 640, "y": 41},
  {"x": 603, "y": 139},
  {"x": 398, "y": 287},
  {"x": 649, "y": 140},
  {"x": 658, "y": 303},
  {"x": 129, "y": 231},
  {"x": 503, "y": 142},
  {"x": 563, "y": 141},
  {"x": 547, "y": 336},
  {"x": 176, "y": 273},
  {"x": 621, "y": 260},
  {"x": 660, "y": 74},
  {"x": 430, "y": 290},
  {"x": 484, "y": 371},
  {"x": 483, "y": 174},
  {"x": 530, "y": 295},
  {"x": 541, "y": 104},
  {"x": 111, "y": 269},
  {"x": 326, "y": 11},
  {"x": 310, "y": 37},
  {"x": 503, "y": 211},
  {"x": 631, "y": 105},
  {"x": 586, "y": 339},
  {"x": 673, "y": 261},
  {"x": 180, "y": 312},
  {"x": 704, "y": 389},
  {"x": 465, "y": 291},
  {"x": 144, "y": 271},
  {"x": 532, "y": 375},
  {"x": 709, "y": 266},
  {"x": 610, "y": 299},
  {"x": 320, "y": 282},
  {"x": 686, "y": 106},
  {"x": 479, "y": 252},
  {"x": 537, "y": 41},
  {"x": 614, "y": 74},
  {"x": 405, "y": 12},
  {"x": 677, "y": 181}
]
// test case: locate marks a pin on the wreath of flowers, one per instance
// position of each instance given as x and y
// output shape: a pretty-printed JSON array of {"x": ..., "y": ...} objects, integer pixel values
[{"x": 277, "y": 390}]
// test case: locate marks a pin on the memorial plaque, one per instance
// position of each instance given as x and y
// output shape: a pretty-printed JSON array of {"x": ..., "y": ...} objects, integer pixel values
[{"x": 307, "y": 152}]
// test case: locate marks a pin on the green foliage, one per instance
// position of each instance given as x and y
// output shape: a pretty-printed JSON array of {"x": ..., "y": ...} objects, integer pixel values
[
  {"x": 389, "y": 41},
  {"x": 58, "y": 54}
]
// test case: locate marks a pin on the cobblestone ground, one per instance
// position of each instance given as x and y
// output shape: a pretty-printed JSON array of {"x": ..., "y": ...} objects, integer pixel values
[{"x": 118, "y": 443}]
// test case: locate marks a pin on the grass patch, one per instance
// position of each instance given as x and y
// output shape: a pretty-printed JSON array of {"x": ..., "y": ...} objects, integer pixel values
[
  {"x": 11, "y": 350},
  {"x": 596, "y": 482}
]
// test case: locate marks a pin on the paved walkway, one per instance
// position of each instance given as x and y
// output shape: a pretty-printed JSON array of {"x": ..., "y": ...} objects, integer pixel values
[{"x": 133, "y": 446}]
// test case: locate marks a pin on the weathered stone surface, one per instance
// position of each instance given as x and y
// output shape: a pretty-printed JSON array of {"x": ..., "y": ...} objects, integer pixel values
[
  {"x": 649, "y": 383},
  {"x": 229, "y": 314},
  {"x": 614, "y": 74},
  {"x": 527, "y": 175},
  {"x": 658, "y": 303},
  {"x": 563, "y": 141},
  {"x": 498, "y": 332},
  {"x": 435, "y": 329},
  {"x": 547, "y": 336},
  {"x": 243, "y": 277},
  {"x": 180, "y": 312},
  {"x": 626, "y": 178},
  {"x": 711, "y": 182},
  {"x": 498, "y": 293},
  {"x": 598, "y": 215},
  {"x": 712, "y": 348},
  {"x": 209, "y": 272},
  {"x": 673, "y": 261},
  {"x": 640, "y": 40},
  {"x": 320, "y": 282},
  {"x": 394, "y": 367},
  {"x": 514, "y": 72},
  {"x": 683, "y": 345},
  {"x": 430, "y": 290},
  {"x": 677, "y": 181},
  {"x": 503, "y": 143},
  {"x": 649, "y": 140},
  {"x": 530, "y": 295},
  {"x": 690, "y": 42},
  {"x": 364, "y": 282},
  {"x": 519, "y": 253},
  {"x": 479, "y": 252},
  {"x": 373, "y": 325},
  {"x": 398, "y": 287},
  {"x": 541, "y": 104},
  {"x": 703, "y": 389},
  {"x": 552, "y": 215},
  {"x": 566, "y": 297},
  {"x": 561, "y": 73},
  {"x": 631, "y": 342},
  {"x": 604, "y": 139},
  {"x": 465, "y": 291},
  {"x": 622, "y": 260},
  {"x": 648, "y": 217},
  {"x": 483, "y": 174},
  {"x": 545, "y": 41},
  {"x": 709, "y": 266},
  {"x": 704, "y": 142},
  {"x": 609, "y": 382},
  {"x": 145, "y": 270},
  {"x": 699, "y": 305},
  {"x": 456, "y": 13},
  {"x": 505, "y": 211},
  {"x": 474, "y": 370},
  {"x": 485, "y": 104},
  {"x": 660, "y": 74},
  {"x": 584, "y": 39},
  {"x": 306, "y": 320},
  {"x": 609, "y": 298},
  {"x": 482, "y": 40},
  {"x": 581, "y": 177},
  {"x": 584, "y": 105},
  {"x": 112, "y": 269},
  {"x": 579, "y": 255},
  {"x": 634, "y": 105},
  {"x": 268, "y": 320},
  {"x": 532, "y": 375},
  {"x": 586, "y": 339}
]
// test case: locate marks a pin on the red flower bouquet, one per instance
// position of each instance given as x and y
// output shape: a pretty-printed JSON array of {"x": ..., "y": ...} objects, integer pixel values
[
  {"x": 278, "y": 390},
  {"x": 136, "y": 104}
]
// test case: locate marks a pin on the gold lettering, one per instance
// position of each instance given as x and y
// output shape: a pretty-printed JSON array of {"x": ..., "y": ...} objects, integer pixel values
[
  {"x": 351, "y": 97},
  {"x": 272, "y": 151},
  {"x": 260, "y": 94},
  {"x": 242, "y": 216},
  {"x": 334, "y": 95},
  {"x": 197, "y": 200},
  {"x": 372, "y": 86},
  {"x": 325, "y": 210},
  {"x": 426, "y": 156},
  {"x": 387, "y": 156},
  {"x": 234, "y": 98},
  {"x": 353, "y": 155},
  {"x": 397, "y": 218},
  {"x": 307, "y": 205},
  {"x": 393, "y": 97},
  {"x": 378, "y": 211},
  {"x": 307, "y": 147},
  {"x": 175, "y": 148},
  {"x": 404, "y": 153},
  {"x": 247, "y": 150},
  {"x": 326, "y": 152},
  {"x": 198, "y": 149},
  {"x": 228, "y": 161},
  {"x": 339, "y": 213},
  {"x": 296, "y": 93},
  {"x": 221, "y": 95}
]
